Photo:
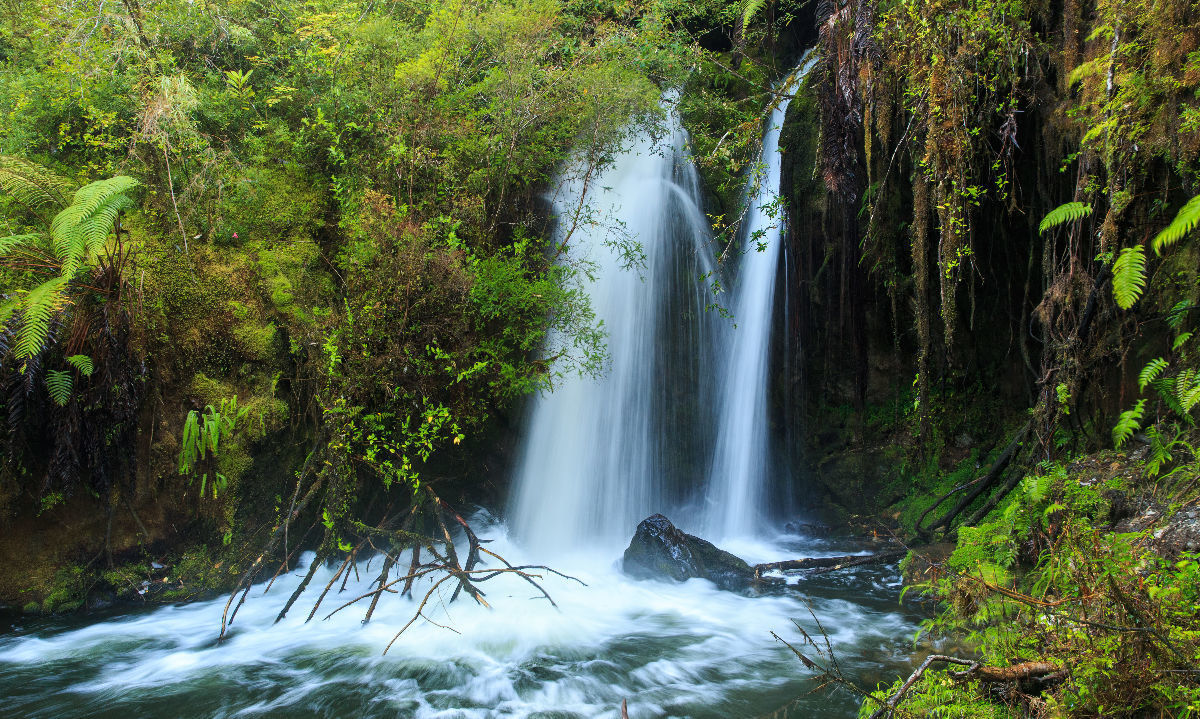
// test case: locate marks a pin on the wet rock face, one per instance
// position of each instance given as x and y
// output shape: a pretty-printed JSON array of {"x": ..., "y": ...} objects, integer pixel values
[{"x": 660, "y": 550}]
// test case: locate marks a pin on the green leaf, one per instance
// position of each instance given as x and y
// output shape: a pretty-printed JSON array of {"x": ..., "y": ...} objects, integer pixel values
[
  {"x": 38, "y": 307},
  {"x": 83, "y": 363},
  {"x": 59, "y": 383},
  {"x": 32, "y": 185},
  {"x": 1184, "y": 222},
  {"x": 1130, "y": 422},
  {"x": 1129, "y": 276},
  {"x": 1153, "y": 369},
  {"x": 1070, "y": 212},
  {"x": 750, "y": 9}
]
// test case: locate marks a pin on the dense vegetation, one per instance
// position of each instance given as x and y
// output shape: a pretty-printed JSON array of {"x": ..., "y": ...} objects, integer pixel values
[{"x": 274, "y": 266}]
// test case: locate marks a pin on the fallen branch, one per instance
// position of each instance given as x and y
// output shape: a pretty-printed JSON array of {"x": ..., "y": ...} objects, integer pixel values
[{"x": 820, "y": 565}]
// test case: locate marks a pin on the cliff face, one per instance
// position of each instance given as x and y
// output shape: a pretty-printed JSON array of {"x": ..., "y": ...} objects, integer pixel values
[{"x": 930, "y": 307}]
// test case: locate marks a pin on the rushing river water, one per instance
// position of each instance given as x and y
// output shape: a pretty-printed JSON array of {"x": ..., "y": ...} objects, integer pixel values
[
  {"x": 684, "y": 396},
  {"x": 669, "y": 650}
]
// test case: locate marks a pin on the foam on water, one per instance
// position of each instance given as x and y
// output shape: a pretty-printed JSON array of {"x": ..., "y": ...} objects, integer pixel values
[{"x": 669, "y": 649}]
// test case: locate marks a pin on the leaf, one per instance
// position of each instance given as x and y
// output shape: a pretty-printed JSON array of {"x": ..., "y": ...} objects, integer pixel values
[
  {"x": 32, "y": 185},
  {"x": 38, "y": 307},
  {"x": 1180, "y": 341},
  {"x": 79, "y": 231},
  {"x": 1129, "y": 276},
  {"x": 59, "y": 383},
  {"x": 1184, "y": 222},
  {"x": 1130, "y": 422},
  {"x": 1070, "y": 212},
  {"x": 1153, "y": 369},
  {"x": 1177, "y": 314},
  {"x": 83, "y": 363},
  {"x": 750, "y": 9}
]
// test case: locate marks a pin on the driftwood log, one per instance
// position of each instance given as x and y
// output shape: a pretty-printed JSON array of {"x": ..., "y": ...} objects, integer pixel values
[{"x": 821, "y": 565}]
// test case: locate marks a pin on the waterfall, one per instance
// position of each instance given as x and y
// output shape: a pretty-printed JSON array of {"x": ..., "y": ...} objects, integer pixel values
[
  {"x": 740, "y": 469},
  {"x": 601, "y": 454}
]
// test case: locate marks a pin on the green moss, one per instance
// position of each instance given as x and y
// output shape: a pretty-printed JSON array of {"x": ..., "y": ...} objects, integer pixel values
[{"x": 255, "y": 341}]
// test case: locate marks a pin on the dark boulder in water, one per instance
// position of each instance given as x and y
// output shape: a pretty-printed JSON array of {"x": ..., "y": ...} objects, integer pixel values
[{"x": 660, "y": 550}]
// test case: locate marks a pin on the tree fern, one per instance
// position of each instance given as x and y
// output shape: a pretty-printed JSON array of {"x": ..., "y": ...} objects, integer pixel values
[
  {"x": 1129, "y": 276},
  {"x": 32, "y": 185},
  {"x": 1153, "y": 369},
  {"x": 1185, "y": 221},
  {"x": 1130, "y": 422},
  {"x": 59, "y": 383},
  {"x": 83, "y": 363},
  {"x": 79, "y": 231},
  {"x": 1070, "y": 212},
  {"x": 37, "y": 308}
]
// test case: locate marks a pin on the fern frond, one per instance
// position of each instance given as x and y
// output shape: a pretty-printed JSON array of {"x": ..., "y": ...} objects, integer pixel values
[
  {"x": 1187, "y": 391},
  {"x": 749, "y": 9},
  {"x": 1177, "y": 314},
  {"x": 16, "y": 242},
  {"x": 37, "y": 309},
  {"x": 32, "y": 185},
  {"x": 1129, "y": 276},
  {"x": 1070, "y": 212},
  {"x": 1151, "y": 372},
  {"x": 59, "y": 382},
  {"x": 1130, "y": 422},
  {"x": 1160, "y": 452},
  {"x": 1180, "y": 340},
  {"x": 79, "y": 231},
  {"x": 1184, "y": 222},
  {"x": 83, "y": 363}
]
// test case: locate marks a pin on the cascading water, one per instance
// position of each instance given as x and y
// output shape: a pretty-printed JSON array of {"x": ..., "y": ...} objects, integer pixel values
[
  {"x": 598, "y": 452},
  {"x": 602, "y": 454},
  {"x": 740, "y": 466}
]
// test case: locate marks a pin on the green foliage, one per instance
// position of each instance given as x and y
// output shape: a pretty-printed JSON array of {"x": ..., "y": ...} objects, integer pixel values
[
  {"x": 59, "y": 383},
  {"x": 203, "y": 435},
  {"x": 1129, "y": 276},
  {"x": 1151, "y": 372},
  {"x": 31, "y": 185},
  {"x": 1184, "y": 222},
  {"x": 1130, "y": 422},
  {"x": 1069, "y": 212}
]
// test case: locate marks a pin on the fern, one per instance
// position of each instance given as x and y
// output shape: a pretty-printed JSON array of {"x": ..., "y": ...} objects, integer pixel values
[
  {"x": 1160, "y": 452},
  {"x": 1153, "y": 369},
  {"x": 59, "y": 382},
  {"x": 80, "y": 230},
  {"x": 32, "y": 185},
  {"x": 1185, "y": 221},
  {"x": 751, "y": 8},
  {"x": 1070, "y": 212},
  {"x": 1129, "y": 276},
  {"x": 1130, "y": 422},
  {"x": 1187, "y": 392},
  {"x": 1177, "y": 314},
  {"x": 83, "y": 363},
  {"x": 38, "y": 307},
  {"x": 1180, "y": 341}
]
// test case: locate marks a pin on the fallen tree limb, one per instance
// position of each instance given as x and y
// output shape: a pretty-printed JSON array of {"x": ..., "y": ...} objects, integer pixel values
[
  {"x": 820, "y": 565},
  {"x": 981, "y": 485}
]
